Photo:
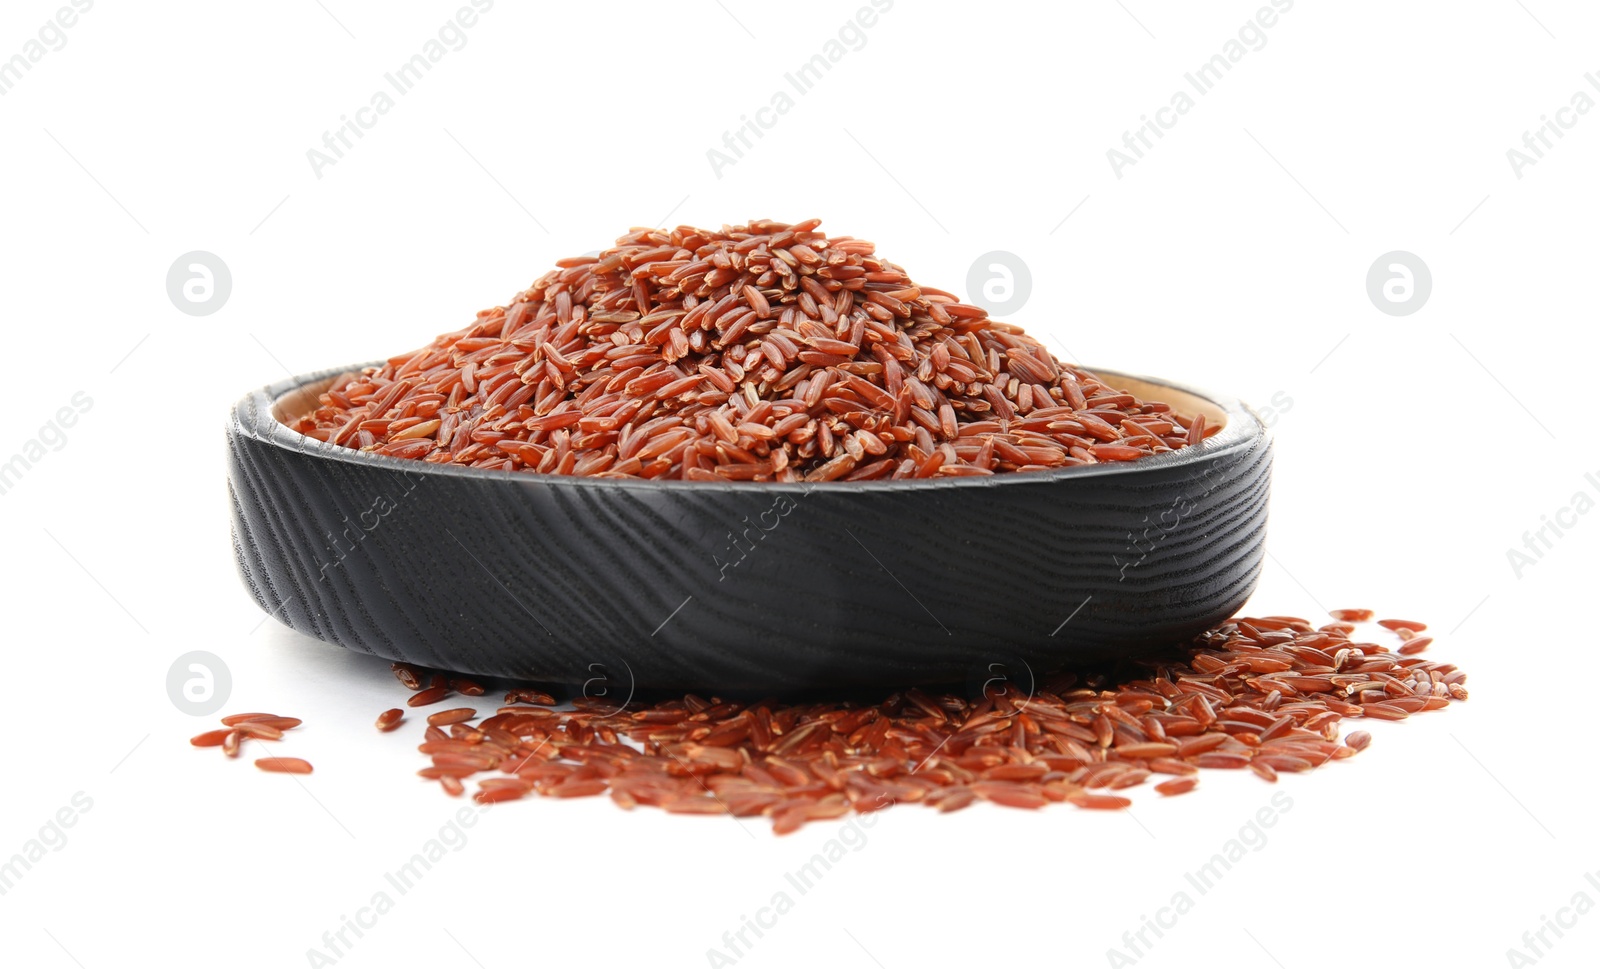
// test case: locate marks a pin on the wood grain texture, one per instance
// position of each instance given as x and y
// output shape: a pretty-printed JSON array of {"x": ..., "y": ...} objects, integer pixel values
[{"x": 743, "y": 587}]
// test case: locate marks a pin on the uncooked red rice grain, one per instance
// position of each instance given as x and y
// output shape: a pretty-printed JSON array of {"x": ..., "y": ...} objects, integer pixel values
[
  {"x": 1178, "y": 785},
  {"x": 1266, "y": 694},
  {"x": 432, "y": 694},
  {"x": 259, "y": 730},
  {"x": 1352, "y": 615},
  {"x": 761, "y": 352},
  {"x": 408, "y": 675},
  {"x": 242, "y": 726},
  {"x": 237, "y": 718}
]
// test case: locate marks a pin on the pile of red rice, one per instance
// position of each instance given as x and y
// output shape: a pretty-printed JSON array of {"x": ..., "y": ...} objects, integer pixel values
[{"x": 766, "y": 352}]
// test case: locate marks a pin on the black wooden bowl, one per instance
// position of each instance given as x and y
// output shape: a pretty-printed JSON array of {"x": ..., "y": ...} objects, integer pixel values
[{"x": 746, "y": 587}]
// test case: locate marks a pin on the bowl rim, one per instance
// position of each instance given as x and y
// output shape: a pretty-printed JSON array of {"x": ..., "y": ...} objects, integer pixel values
[{"x": 1243, "y": 428}]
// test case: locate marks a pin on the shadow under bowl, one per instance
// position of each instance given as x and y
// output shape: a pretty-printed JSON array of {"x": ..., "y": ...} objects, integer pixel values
[{"x": 746, "y": 587}]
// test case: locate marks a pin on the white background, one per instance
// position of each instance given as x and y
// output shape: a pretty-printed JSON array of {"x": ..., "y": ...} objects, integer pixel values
[{"x": 1418, "y": 449}]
